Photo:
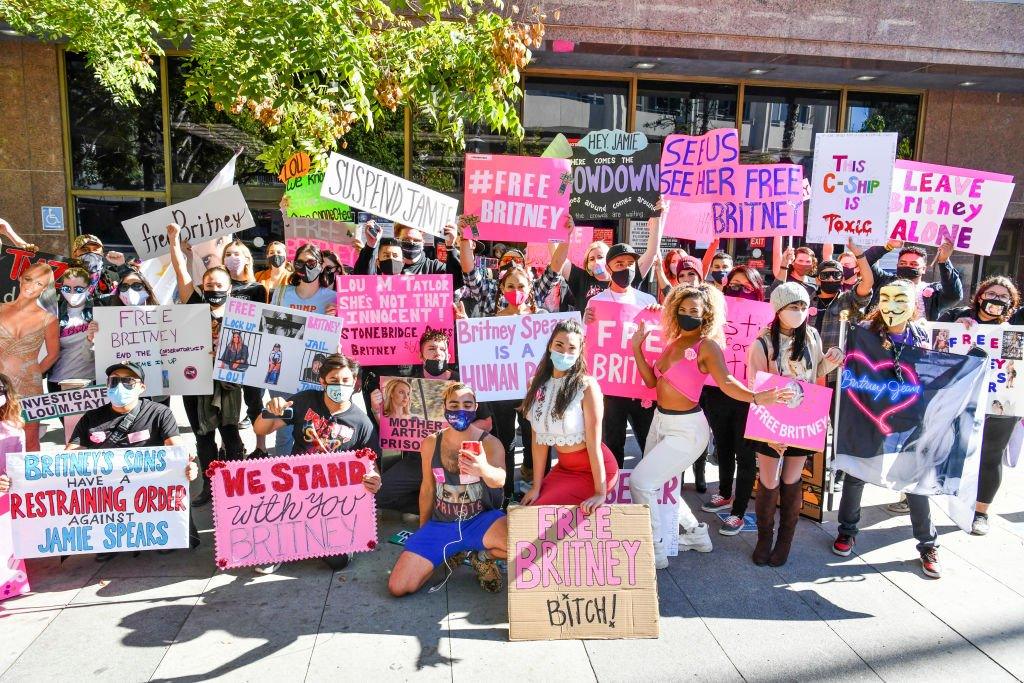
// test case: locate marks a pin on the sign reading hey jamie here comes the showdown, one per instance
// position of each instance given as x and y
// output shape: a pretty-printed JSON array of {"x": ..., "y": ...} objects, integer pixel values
[{"x": 98, "y": 501}]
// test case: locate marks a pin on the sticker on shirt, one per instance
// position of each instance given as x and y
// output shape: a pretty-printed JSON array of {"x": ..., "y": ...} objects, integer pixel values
[
  {"x": 136, "y": 437},
  {"x": 98, "y": 437},
  {"x": 438, "y": 475}
]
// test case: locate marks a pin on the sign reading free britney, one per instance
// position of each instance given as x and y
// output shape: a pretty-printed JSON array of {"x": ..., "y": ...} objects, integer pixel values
[{"x": 609, "y": 348}]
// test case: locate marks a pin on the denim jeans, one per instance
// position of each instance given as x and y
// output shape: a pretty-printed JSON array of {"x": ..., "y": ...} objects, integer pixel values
[{"x": 920, "y": 513}]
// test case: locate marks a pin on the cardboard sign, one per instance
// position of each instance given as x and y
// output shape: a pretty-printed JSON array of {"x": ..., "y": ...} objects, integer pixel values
[
  {"x": 933, "y": 203},
  {"x": 615, "y": 175},
  {"x": 667, "y": 507},
  {"x": 171, "y": 343},
  {"x": 59, "y": 404},
  {"x": 801, "y": 423},
  {"x": 201, "y": 218},
  {"x": 384, "y": 316},
  {"x": 706, "y": 193},
  {"x": 850, "y": 187},
  {"x": 14, "y": 261},
  {"x": 411, "y": 410},
  {"x": 573, "y": 576},
  {"x": 517, "y": 199},
  {"x": 326, "y": 235},
  {"x": 498, "y": 356},
  {"x": 271, "y": 347},
  {"x": 386, "y": 195},
  {"x": 98, "y": 501},
  {"x": 609, "y": 348},
  {"x": 1004, "y": 345},
  {"x": 322, "y": 508},
  {"x": 744, "y": 320}
]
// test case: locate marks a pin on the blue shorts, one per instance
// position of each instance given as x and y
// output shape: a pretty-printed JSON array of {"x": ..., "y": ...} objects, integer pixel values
[{"x": 437, "y": 541}]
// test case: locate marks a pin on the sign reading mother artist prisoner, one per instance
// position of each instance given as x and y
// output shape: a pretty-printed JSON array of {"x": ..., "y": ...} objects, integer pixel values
[
  {"x": 98, "y": 501},
  {"x": 411, "y": 409},
  {"x": 614, "y": 175},
  {"x": 364, "y": 187},
  {"x": 202, "y": 218},
  {"x": 274, "y": 510},
  {"x": 572, "y": 575}
]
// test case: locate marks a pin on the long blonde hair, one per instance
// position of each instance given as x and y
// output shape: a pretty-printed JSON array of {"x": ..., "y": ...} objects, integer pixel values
[
  {"x": 389, "y": 395},
  {"x": 10, "y": 412},
  {"x": 712, "y": 302},
  {"x": 248, "y": 274}
]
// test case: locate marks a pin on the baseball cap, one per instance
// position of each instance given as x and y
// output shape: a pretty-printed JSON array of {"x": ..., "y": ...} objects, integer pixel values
[
  {"x": 621, "y": 249},
  {"x": 83, "y": 240},
  {"x": 134, "y": 368}
]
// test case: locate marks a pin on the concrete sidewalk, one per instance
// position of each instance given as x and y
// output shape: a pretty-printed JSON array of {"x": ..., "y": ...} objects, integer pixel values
[{"x": 871, "y": 616}]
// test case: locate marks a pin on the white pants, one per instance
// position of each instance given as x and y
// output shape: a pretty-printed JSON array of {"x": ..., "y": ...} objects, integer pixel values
[{"x": 673, "y": 444}]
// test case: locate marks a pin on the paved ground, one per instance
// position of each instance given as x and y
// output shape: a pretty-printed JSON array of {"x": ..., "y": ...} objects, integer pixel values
[{"x": 867, "y": 617}]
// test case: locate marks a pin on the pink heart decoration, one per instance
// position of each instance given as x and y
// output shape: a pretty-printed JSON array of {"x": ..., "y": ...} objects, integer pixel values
[{"x": 880, "y": 420}]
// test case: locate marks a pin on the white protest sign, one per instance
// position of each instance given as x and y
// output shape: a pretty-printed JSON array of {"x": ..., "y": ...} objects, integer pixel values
[
  {"x": 98, "y": 501},
  {"x": 202, "y": 218},
  {"x": 272, "y": 347},
  {"x": 498, "y": 356},
  {"x": 1004, "y": 346},
  {"x": 667, "y": 507},
  {"x": 61, "y": 403},
  {"x": 170, "y": 343},
  {"x": 364, "y": 187}
]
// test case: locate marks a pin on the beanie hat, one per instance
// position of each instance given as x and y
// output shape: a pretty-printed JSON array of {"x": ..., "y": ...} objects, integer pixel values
[
  {"x": 788, "y": 293},
  {"x": 690, "y": 263}
]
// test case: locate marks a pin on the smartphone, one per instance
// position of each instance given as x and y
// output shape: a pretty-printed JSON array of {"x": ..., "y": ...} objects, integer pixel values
[
  {"x": 373, "y": 229},
  {"x": 477, "y": 448}
]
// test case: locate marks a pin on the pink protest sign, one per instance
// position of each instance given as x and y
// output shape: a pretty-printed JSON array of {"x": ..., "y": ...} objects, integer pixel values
[
  {"x": 707, "y": 193},
  {"x": 538, "y": 255},
  {"x": 517, "y": 199},
  {"x": 410, "y": 410},
  {"x": 610, "y": 350},
  {"x": 383, "y": 316},
  {"x": 744, "y": 320},
  {"x": 327, "y": 235},
  {"x": 930, "y": 204},
  {"x": 271, "y": 510},
  {"x": 801, "y": 423},
  {"x": 13, "y": 577}
]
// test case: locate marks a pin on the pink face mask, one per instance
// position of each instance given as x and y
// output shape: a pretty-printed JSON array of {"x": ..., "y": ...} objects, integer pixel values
[{"x": 515, "y": 297}]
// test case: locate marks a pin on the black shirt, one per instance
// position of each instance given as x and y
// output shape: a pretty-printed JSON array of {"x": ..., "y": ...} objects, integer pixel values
[
  {"x": 249, "y": 291},
  {"x": 345, "y": 431},
  {"x": 154, "y": 424}
]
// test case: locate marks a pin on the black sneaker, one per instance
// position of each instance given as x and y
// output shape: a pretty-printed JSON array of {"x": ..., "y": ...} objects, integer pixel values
[{"x": 337, "y": 562}]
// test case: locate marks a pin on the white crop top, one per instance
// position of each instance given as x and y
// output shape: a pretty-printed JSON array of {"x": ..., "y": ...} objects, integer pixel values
[{"x": 552, "y": 431}]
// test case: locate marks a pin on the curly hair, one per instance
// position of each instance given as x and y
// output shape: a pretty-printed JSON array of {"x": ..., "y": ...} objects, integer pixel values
[
  {"x": 998, "y": 281},
  {"x": 712, "y": 303}
]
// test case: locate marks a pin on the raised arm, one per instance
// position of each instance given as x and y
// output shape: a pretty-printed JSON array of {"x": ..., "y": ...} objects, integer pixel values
[
  {"x": 181, "y": 270},
  {"x": 709, "y": 255},
  {"x": 653, "y": 252}
]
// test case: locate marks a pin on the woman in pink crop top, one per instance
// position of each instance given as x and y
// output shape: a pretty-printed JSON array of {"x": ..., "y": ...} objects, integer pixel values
[{"x": 691, "y": 323}]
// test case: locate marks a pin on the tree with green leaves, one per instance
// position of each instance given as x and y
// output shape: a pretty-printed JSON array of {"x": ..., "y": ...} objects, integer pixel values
[{"x": 308, "y": 72}]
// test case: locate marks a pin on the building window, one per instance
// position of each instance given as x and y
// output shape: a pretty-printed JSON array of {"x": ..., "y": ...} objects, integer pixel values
[
  {"x": 102, "y": 216},
  {"x": 689, "y": 108},
  {"x": 439, "y": 165},
  {"x": 779, "y": 124},
  {"x": 885, "y": 113},
  {"x": 572, "y": 107}
]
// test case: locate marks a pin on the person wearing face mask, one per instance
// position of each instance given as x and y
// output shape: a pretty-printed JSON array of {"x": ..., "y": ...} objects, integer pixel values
[
  {"x": 790, "y": 347},
  {"x": 88, "y": 250},
  {"x": 414, "y": 260},
  {"x": 279, "y": 269},
  {"x": 793, "y": 265},
  {"x": 389, "y": 257},
  {"x": 995, "y": 300},
  {"x": 311, "y": 287},
  {"x": 830, "y": 301},
  {"x": 721, "y": 265},
  {"x": 324, "y": 421},
  {"x": 851, "y": 270},
  {"x": 665, "y": 271},
  {"x": 932, "y": 297},
  {"x": 74, "y": 313}
]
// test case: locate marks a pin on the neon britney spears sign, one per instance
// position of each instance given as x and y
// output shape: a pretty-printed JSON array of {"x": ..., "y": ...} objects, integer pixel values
[{"x": 900, "y": 393}]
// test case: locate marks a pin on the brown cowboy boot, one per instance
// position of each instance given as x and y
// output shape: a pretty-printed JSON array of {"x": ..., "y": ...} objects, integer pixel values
[
  {"x": 789, "y": 513},
  {"x": 764, "y": 508}
]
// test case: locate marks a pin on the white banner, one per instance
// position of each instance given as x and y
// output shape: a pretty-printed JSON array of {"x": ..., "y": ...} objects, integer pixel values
[
  {"x": 61, "y": 403},
  {"x": 1004, "y": 346}
]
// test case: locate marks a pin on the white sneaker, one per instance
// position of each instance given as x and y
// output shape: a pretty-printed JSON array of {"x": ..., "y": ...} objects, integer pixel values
[
  {"x": 268, "y": 569},
  {"x": 660, "y": 559},
  {"x": 695, "y": 539}
]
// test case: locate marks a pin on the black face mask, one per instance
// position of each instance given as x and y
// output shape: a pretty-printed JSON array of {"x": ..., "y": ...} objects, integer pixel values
[
  {"x": 276, "y": 260},
  {"x": 993, "y": 307},
  {"x": 688, "y": 322},
  {"x": 719, "y": 275},
  {"x": 622, "y": 278},
  {"x": 390, "y": 266},
  {"x": 830, "y": 286},
  {"x": 411, "y": 250},
  {"x": 435, "y": 367},
  {"x": 215, "y": 298},
  {"x": 849, "y": 272},
  {"x": 907, "y": 272}
]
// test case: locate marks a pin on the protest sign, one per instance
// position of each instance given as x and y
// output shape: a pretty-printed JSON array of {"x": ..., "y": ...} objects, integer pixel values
[
  {"x": 410, "y": 411},
  {"x": 639, "y": 234},
  {"x": 61, "y": 403},
  {"x": 323, "y": 508},
  {"x": 170, "y": 343},
  {"x": 303, "y": 200},
  {"x": 706, "y": 193},
  {"x": 98, "y": 501},
  {"x": 744, "y": 320},
  {"x": 1004, "y": 346},
  {"x": 801, "y": 423},
  {"x": 930, "y": 204},
  {"x": 850, "y": 187},
  {"x": 499, "y": 356},
  {"x": 384, "y": 316},
  {"x": 14, "y": 261},
  {"x": 574, "y": 576},
  {"x": 615, "y": 175},
  {"x": 201, "y": 218},
  {"x": 609, "y": 348},
  {"x": 13, "y": 575},
  {"x": 271, "y": 347},
  {"x": 379, "y": 192},
  {"x": 326, "y": 235},
  {"x": 517, "y": 199},
  {"x": 538, "y": 254},
  {"x": 667, "y": 507}
]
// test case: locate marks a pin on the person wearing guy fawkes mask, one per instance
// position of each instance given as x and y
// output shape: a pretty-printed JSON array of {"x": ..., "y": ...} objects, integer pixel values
[
  {"x": 932, "y": 297},
  {"x": 830, "y": 301},
  {"x": 414, "y": 260}
]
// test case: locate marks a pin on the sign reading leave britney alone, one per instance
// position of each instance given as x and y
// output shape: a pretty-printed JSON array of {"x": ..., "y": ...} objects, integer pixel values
[
  {"x": 499, "y": 356},
  {"x": 98, "y": 501},
  {"x": 930, "y": 204},
  {"x": 609, "y": 347},
  {"x": 801, "y": 423},
  {"x": 274, "y": 510},
  {"x": 744, "y": 320},
  {"x": 384, "y": 316},
  {"x": 573, "y": 575},
  {"x": 1004, "y": 346},
  {"x": 202, "y": 218},
  {"x": 517, "y": 199},
  {"x": 171, "y": 343},
  {"x": 388, "y": 196}
]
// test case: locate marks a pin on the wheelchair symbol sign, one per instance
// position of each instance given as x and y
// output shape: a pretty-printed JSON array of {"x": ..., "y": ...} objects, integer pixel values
[{"x": 53, "y": 218}]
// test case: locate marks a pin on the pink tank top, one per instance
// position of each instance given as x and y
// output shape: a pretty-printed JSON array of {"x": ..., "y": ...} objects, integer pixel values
[{"x": 685, "y": 375}]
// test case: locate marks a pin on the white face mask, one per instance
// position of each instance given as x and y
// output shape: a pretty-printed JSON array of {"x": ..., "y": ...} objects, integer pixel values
[
  {"x": 133, "y": 298},
  {"x": 792, "y": 319},
  {"x": 3, "y": 400},
  {"x": 74, "y": 299},
  {"x": 234, "y": 264}
]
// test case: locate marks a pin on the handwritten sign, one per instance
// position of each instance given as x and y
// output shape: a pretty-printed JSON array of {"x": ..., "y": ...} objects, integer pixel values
[
  {"x": 297, "y": 165},
  {"x": 609, "y": 348},
  {"x": 303, "y": 200},
  {"x": 386, "y": 195},
  {"x": 744, "y": 320},
  {"x": 271, "y": 347},
  {"x": 326, "y": 235},
  {"x": 850, "y": 187},
  {"x": 709, "y": 194},
  {"x": 1004, "y": 346},
  {"x": 384, "y": 316},
  {"x": 499, "y": 356},
  {"x": 170, "y": 343},
  {"x": 411, "y": 410},
  {"x": 574, "y": 576},
  {"x": 931, "y": 203},
  {"x": 615, "y": 175},
  {"x": 801, "y": 423},
  {"x": 517, "y": 199},
  {"x": 274, "y": 510},
  {"x": 201, "y": 218},
  {"x": 98, "y": 501},
  {"x": 667, "y": 507},
  {"x": 61, "y": 403}
]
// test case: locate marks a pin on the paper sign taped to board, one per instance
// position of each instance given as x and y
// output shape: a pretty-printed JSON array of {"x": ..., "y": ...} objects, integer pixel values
[
  {"x": 576, "y": 576},
  {"x": 1004, "y": 346},
  {"x": 411, "y": 409}
]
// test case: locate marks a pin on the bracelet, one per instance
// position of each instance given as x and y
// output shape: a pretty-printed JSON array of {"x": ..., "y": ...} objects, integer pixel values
[{"x": 755, "y": 399}]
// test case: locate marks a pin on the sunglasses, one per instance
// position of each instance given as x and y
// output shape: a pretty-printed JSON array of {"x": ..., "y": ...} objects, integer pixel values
[
  {"x": 135, "y": 287},
  {"x": 833, "y": 275},
  {"x": 740, "y": 288},
  {"x": 66, "y": 289},
  {"x": 129, "y": 382},
  {"x": 309, "y": 263}
]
